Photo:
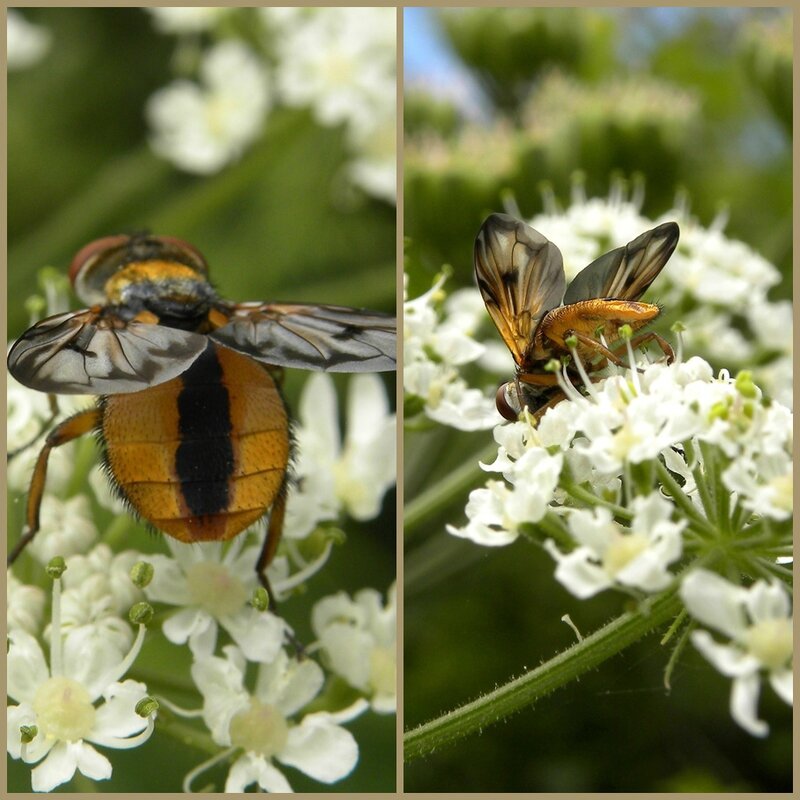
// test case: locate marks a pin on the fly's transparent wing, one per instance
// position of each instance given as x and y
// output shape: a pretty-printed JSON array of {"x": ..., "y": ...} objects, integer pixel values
[
  {"x": 85, "y": 352},
  {"x": 520, "y": 275},
  {"x": 329, "y": 338},
  {"x": 627, "y": 272}
]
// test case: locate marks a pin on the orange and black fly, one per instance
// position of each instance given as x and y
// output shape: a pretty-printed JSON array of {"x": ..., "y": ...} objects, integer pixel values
[
  {"x": 520, "y": 275},
  {"x": 194, "y": 431}
]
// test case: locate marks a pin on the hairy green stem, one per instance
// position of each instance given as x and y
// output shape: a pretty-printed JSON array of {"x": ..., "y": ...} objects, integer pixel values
[{"x": 532, "y": 686}]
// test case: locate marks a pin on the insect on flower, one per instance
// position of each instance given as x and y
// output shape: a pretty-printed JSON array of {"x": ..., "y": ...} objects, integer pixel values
[
  {"x": 193, "y": 428},
  {"x": 520, "y": 275}
]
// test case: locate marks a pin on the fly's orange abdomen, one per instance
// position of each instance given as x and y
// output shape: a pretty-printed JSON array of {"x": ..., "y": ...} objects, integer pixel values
[{"x": 204, "y": 455}]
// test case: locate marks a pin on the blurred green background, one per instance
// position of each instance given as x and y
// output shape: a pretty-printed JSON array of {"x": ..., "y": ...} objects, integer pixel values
[
  {"x": 687, "y": 100},
  {"x": 277, "y": 225}
]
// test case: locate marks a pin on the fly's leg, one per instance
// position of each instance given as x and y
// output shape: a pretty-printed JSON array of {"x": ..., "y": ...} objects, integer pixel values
[
  {"x": 271, "y": 541},
  {"x": 637, "y": 341},
  {"x": 72, "y": 428},
  {"x": 53, "y": 402},
  {"x": 651, "y": 336},
  {"x": 268, "y": 550}
]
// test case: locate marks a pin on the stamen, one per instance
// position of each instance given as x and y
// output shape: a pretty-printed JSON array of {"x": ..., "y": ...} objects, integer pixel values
[
  {"x": 186, "y": 713},
  {"x": 587, "y": 381},
  {"x": 128, "y": 742},
  {"x": 56, "y": 663},
  {"x": 295, "y": 553},
  {"x": 114, "y": 674},
  {"x": 632, "y": 364},
  {"x": 304, "y": 574},
  {"x": 203, "y": 766}
]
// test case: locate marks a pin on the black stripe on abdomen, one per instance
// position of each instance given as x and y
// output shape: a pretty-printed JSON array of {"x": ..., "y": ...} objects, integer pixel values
[{"x": 204, "y": 458}]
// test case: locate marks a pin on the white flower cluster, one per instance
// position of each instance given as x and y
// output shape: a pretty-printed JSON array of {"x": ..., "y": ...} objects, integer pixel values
[
  {"x": 436, "y": 343},
  {"x": 339, "y": 62},
  {"x": 62, "y": 707},
  {"x": 716, "y": 286},
  {"x": 60, "y": 711},
  {"x": 758, "y": 622},
  {"x": 650, "y": 466},
  {"x": 26, "y": 43}
]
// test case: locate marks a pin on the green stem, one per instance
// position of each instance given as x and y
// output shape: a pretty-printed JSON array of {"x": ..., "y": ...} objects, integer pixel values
[
  {"x": 590, "y": 498},
  {"x": 187, "y": 734},
  {"x": 437, "y": 497},
  {"x": 558, "y": 671},
  {"x": 682, "y": 500},
  {"x": 678, "y": 649},
  {"x": 702, "y": 484}
]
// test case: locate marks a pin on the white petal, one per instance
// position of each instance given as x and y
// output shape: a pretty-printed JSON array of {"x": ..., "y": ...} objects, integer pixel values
[
  {"x": 767, "y": 601},
  {"x": 744, "y": 704},
  {"x": 729, "y": 660},
  {"x": 89, "y": 659},
  {"x": 27, "y": 669},
  {"x": 576, "y": 572},
  {"x": 349, "y": 652},
  {"x": 367, "y": 409},
  {"x": 259, "y": 634},
  {"x": 185, "y": 623},
  {"x": 57, "y": 768},
  {"x": 318, "y": 413},
  {"x": 321, "y": 749},
  {"x": 782, "y": 682},
  {"x": 169, "y": 584},
  {"x": 715, "y": 602},
  {"x": 289, "y": 684},
  {"x": 221, "y": 683},
  {"x": 117, "y": 716},
  {"x": 91, "y": 763},
  {"x": 250, "y": 769}
]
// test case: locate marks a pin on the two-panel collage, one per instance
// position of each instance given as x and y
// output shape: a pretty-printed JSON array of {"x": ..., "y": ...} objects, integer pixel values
[{"x": 399, "y": 400}]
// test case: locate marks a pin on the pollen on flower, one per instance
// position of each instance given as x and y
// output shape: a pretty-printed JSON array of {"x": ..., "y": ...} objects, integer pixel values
[
  {"x": 770, "y": 641},
  {"x": 213, "y": 588},
  {"x": 63, "y": 709},
  {"x": 782, "y": 487},
  {"x": 622, "y": 549},
  {"x": 260, "y": 729},
  {"x": 383, "y": 670}
]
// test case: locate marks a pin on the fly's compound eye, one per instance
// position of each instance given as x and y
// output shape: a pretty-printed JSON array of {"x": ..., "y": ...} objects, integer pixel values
[
  {"x": 93, "y": 263},
  {"x": 507, "y": 401}
]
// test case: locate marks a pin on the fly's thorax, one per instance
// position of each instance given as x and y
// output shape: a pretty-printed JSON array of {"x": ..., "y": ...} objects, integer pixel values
[{"x": 172, "y": 291}]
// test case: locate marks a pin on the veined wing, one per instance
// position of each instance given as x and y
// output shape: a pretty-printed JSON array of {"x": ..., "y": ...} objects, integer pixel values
[
  {"x": 520, "y": 275},
  {"x": 88, "y": 352},
  {"x": 627, "y": 272},
  {"x": 319, "y": 337}
]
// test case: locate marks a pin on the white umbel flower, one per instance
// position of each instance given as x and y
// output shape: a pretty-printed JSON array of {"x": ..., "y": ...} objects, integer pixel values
[
  {"x": 203, "y": 127},
  {"x": 358, "y": 638},
  {"x": 263, "y": 722},
  {"x": 76, "y": 701},
  {"x": 758, "y": 622}
]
